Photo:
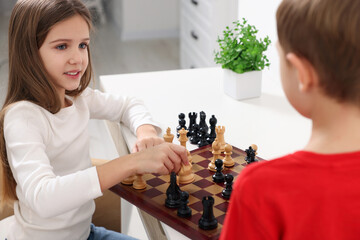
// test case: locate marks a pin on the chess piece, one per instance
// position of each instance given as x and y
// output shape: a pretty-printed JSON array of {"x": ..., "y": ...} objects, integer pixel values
[
  {"x": 218, "y": 177},
  {"x": 202, "y": 123},
  {"x": 184, "y": 210},
  {"x": 185, "y": 174},
  {"x": 168, "y": 137},
  {"x": 139, "y": 183},
  {"x": 216, "y": 154},
  {"x": 228, "y": 161},
  {"x": 254, "y": 146},
  {"x": 182, "y": 123},
  {"x": 128, "y": 181},
  {"x": 208, "y": 220},
  {"x": 192, "y": 121},
  {"x": 250, "y": 155},
  {"x": 173, "y": 193},
  {"x": 203, "y": 136},
  {"x": 212, "y": 134},
  {"x": 220, "y": 130},
  {"x": 228, "y": 186},
  {"x": 194, "y": 135}
]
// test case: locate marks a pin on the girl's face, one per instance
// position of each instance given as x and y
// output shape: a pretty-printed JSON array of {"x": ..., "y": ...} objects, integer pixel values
[{"x": 64, "y": 53}]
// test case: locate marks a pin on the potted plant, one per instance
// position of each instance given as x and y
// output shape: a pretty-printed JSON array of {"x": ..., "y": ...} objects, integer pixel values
[{"x": 241, "y": 55}]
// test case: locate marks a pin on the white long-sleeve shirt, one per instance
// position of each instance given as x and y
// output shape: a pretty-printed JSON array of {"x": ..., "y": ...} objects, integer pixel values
[{"x": 49, "y": 158}]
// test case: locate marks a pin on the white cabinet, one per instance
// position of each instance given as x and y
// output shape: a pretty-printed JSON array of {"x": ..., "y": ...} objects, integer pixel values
[{"x": 201, "y": 22}]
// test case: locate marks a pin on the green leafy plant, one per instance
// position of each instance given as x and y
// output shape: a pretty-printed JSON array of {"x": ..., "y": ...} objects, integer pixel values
[{"x": 240, "y": 50}]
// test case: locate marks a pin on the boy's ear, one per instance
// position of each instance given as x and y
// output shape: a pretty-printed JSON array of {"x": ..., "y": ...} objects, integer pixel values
[{"x": 305, "y": 71}]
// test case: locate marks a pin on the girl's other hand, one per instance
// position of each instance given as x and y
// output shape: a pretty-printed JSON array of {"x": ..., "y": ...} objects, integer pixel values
[{"x": 146, "y": 137}]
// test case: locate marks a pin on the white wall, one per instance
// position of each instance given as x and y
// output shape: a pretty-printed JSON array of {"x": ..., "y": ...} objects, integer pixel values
[
  {"x": 262, "y": 14},
  {"x": 141, "y": 19}
]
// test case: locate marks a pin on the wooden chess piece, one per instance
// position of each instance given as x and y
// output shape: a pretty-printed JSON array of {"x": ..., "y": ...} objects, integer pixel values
[
  {"x": 218, "y": 177},
  {"x": 139, "y": 182},
  {"x": 173, "y": 193},
  {"x": 184, "y": 210},
  {"x": 254, "y": 146},
  {"x": 128, "y": 181},
  {"x": 216, "y": 154},
  {"x": 228, "y": 186},
  {"x": 228, "y": 161},
  {"x": 220, "y": 130},
  {"x": 185, "y": 174},
  {"x": 208, "y": 220},
  {"x": 168, "y": 137},
  {"x": 181, "y": 125}
]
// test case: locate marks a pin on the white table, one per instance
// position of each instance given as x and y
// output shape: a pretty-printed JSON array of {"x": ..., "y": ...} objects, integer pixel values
[{"x": 269, "y": 121}]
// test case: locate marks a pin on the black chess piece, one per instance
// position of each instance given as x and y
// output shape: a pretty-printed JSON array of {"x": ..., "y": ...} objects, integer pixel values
[
  {"x": 182, "y": 124},
  {"x": 184, "y": 210},
  {"x": 202, "y": 135},
  {"x": 228, "y": 186},
  {"x": 202, "y": 123},
  {"x": 212, "y": 135},
  {"x": 173, "y": 193},
  {"x": 218, "y": 177},
  {"x": 250, "y": 155},
  {"x": 192, "y": 117},
  {"x": 194, "y": 135},
  {"x": 208, "y": 220}
]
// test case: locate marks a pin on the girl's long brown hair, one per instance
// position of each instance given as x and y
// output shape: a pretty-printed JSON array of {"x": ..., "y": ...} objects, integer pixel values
[{"x": 30, "y": 22}]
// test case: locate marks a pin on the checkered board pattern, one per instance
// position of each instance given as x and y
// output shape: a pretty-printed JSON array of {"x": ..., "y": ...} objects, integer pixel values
[{"x": 152, "y": 199}]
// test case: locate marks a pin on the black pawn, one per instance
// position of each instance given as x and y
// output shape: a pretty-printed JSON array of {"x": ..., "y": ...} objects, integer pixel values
[
  {"x": 173, "y": 193},
  {"x": 182, "y": 123},
  {"x": 208, "y": 220},
  {"x": 228, "y": 186},
  {"x": 194, "y": 138},
  {"x": 202, "y": 123},
  {"x": 184, "y": 210},
  {"x": 203, "y": 135},
  {"x": 192, "y": 121},
  {"x": 250, "y": 155},
  {"x": 218, "y": 177},
  {"x": 212, "y": 134}
]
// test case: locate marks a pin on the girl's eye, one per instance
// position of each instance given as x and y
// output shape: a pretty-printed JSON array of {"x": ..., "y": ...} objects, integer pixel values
[
  {"x": 83, "y": 45},
  {"x": 61, "y": 47}
]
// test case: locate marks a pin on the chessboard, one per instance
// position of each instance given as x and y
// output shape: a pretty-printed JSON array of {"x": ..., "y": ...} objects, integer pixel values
[{"x": 152, "y": 199}]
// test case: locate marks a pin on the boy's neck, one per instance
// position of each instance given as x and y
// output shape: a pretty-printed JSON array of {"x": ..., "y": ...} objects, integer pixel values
[{"x": 336, "y": 128}]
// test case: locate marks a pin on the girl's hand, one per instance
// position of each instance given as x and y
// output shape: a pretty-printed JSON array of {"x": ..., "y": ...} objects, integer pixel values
[
  {"x": 162, "y": 159},
  {"x": 146, "y": 137}
]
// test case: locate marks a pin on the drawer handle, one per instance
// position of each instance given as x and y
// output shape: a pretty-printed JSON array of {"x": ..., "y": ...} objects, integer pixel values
[
  {"x": 194, "y": 2},
  {"x": 194, "y": 36}
]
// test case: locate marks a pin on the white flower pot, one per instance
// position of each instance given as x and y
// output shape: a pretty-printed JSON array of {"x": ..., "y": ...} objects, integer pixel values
[{"x": 242, "y": 86}]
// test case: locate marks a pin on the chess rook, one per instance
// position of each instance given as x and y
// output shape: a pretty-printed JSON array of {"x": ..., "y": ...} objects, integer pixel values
[{"x": 220, "y": 130}]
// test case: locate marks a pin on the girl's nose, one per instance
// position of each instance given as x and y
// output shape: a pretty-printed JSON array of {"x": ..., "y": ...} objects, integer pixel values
[{"x": 76, "y": 57}]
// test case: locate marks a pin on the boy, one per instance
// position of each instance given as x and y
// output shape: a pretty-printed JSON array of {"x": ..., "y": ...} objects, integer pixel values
[{"x": 313, "y": 193}]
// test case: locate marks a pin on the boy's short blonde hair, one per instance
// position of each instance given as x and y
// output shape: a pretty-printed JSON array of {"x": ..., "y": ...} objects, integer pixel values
[{"x": 327, "y": 34}]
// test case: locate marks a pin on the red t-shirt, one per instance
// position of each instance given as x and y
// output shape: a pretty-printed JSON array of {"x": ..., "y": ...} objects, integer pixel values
[{"x": 299, "y": 196}]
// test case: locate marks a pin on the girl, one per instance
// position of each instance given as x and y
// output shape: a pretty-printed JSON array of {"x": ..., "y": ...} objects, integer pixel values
[{"x": 46, "y": 168}]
